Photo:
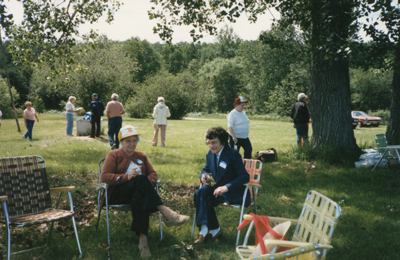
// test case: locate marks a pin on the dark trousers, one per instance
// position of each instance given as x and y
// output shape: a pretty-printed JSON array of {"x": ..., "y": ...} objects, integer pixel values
[
  {"x": 245, "y": 143},
  {"x": 205, "y": 202},
  {"x": 95, "y": 121},
  {"x": 114, "y": 125},
  {"x": 302, "y": 132},
  {"x": 29, "y": 127},
  {"x": 139, "y": 192}
]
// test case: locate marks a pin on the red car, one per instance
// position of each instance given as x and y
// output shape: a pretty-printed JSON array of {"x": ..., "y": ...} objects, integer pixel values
[{"x": 366, "y": 120}]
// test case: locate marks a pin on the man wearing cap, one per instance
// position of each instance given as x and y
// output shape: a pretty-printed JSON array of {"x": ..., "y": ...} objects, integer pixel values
[
  {"x": 301, "y": 117},
  {"x": 97, "y": 111},
  {"x": 238, "y": 125}
]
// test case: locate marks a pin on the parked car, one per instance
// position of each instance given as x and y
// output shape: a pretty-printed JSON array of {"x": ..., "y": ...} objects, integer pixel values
[
  {"x": 355, "y": 122},
  {"x": 366, "y": 120}
]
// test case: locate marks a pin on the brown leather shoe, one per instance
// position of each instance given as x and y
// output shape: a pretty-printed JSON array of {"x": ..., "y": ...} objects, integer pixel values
[
  {"x": 200, "y": 239},
  {"x": 210, "y": 238}
]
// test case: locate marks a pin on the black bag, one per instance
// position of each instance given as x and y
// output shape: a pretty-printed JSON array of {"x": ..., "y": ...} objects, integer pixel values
[{"x": 268, "y": 155}]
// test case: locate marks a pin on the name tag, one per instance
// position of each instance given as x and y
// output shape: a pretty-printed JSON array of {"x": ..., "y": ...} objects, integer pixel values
[
  {"x": 222, "y": 164},
  {"x": 139, "y": 161}
]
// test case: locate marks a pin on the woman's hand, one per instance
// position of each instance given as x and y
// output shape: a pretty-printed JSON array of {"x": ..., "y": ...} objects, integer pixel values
[{"x": 133, "y": 173}]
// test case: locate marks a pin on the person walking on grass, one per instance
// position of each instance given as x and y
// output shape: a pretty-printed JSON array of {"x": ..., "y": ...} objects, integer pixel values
[
  {"x": 69, "y": 114},
  {"x": 97, "y": 111},
  {"x": 1, "y": 115},
  {"x": 160, "y": 114},
  {"x": 238, "y": 126},
  {"x": 114, "y": 112},
  {"x": 29, "y": 119},
  {"x": 301, "y": 117}
]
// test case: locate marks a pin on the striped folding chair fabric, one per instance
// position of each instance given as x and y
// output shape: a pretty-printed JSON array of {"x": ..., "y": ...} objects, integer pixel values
[
  {"x": 312, "y": 236},
  {"x": 25, "y": 196},
  {"x": 254, "y": 168}
]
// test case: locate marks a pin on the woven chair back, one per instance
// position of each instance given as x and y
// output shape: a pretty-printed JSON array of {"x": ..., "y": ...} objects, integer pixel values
[
  {"x": 253, "y": 167},
  {"x": 24, "y": 181},
  {"x": 381, "y": 142}
]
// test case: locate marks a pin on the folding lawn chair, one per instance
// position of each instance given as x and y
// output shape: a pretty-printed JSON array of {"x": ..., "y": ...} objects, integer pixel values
[
  {"x": 312, "y": 236},
  {"x": 103, "y": 192},
  {"x": 384, "y": 150},
  {"x": 253, "y": 167},
  {"x": 25, "y": 197}
]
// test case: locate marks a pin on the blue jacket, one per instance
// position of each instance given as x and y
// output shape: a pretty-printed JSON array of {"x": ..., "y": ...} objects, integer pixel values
[
  {"x": 231, "y": 173},
  {"x": 97, "y": 107}
]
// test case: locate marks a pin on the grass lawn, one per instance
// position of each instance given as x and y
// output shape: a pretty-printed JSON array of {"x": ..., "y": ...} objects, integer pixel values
[{"x": 370, "y": 201}]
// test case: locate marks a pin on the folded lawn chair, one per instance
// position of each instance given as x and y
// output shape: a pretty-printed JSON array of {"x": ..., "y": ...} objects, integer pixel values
[
  {"x": 253, "y": 167},
  {"x": 103, "y": 192},
  {"x": 384, "y": 150},
  {"x": 312, "y": 236},
  {"x": 25, "y": 197}
]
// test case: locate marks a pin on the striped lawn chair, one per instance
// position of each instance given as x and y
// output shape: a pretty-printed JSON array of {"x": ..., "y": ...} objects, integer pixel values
[
  {"x": 253, "y": 167},
  {"x": 25, "y": 197},
  {"x": 313, "y": 234}
]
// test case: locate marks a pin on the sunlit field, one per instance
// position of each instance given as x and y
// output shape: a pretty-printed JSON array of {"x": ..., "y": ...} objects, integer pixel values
[{"x": 370, "y": 201}]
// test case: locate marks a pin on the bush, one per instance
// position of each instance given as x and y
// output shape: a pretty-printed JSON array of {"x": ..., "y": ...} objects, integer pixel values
[
  {"x": 5, "y": 99},
  {"x": 179, "y": 92}
]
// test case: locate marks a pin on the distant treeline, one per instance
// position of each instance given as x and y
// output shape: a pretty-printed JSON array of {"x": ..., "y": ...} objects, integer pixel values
[{"x": 195, "y": 77}]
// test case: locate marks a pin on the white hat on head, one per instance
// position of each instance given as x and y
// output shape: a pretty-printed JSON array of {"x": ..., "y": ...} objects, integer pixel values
[
  {"x": 301, "y": 96},
  {"x": 127, "y": 131},
  {"x": 160, "y": 99}
]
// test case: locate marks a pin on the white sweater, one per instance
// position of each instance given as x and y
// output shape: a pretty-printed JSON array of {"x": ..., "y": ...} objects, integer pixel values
[
  {"x": 240, "y": 123},
  {"x": 160, "y": 114}
]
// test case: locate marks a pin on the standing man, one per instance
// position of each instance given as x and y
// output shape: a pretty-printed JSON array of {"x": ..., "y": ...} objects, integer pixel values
[
  {"x": 114, "y": 111},
  {"x": 301, "y": 117},
  {"x": 224, "y": 166},
  {"x": 97, "y": 111},
  {"x": 238, "y": 125},
  {"x": 1, "y": 115}
]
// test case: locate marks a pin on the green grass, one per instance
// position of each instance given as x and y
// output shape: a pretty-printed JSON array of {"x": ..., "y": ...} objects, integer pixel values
[{"x": 368, "y": 228}]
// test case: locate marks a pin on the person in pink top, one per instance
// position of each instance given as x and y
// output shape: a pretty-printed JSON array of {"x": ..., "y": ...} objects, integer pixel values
[
  {"x": 114, "y": 110},
  {"x": 29, "y": 119}
]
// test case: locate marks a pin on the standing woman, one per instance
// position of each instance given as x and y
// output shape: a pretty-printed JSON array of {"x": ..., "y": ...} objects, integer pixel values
[
  {"x": 238, "y": 125},
  {"x": 70, "y": 112},
  {"x": 29, "y": 119},
  {"x": 160, "y": 114}
]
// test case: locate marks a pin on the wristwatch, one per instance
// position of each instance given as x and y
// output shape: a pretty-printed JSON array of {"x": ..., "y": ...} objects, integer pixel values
[{"x": 118, "y": 179}]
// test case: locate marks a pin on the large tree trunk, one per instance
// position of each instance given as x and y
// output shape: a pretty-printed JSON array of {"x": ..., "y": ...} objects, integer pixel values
[
  {"x": 330, "y": 105},
  {"x": 393, "y": 129}
]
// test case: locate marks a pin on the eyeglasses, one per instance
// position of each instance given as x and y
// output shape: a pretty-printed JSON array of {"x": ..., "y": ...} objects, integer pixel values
[{"x": 212, "y": 142}]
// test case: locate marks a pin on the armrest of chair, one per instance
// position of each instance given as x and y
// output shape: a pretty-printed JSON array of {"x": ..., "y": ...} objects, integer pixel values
[
  {"x": 272, "y": 242},
  {"x": 102, "y": 186},
  {"x": 252, "y": 185},
  {"x": 59, "y": 189},
  {"x": 3, "y": 198},
  {"x": 273, "y": 219}
]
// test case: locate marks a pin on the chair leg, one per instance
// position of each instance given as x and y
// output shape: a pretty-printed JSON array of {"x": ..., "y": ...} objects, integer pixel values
[
  {"x": 194, "y": 222},
  {"x": 108, "y": 228},
  {"x": 76, "y": 235},
  {"x": 8, "y": 242},
  {"x": 98, "y": 210},
  {"x": 255, "y": 200},
  {"x": 50, "y": 230},
  {"x": 159, "y": 217}
]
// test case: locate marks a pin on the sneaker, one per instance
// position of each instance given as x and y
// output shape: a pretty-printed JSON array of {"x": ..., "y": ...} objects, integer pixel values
[
  {"x": 24, "y": 137},
  {"x": 114, "y": 146},
  {"x": 144, "y": 252},
  {"x": 176, "y": 220}
]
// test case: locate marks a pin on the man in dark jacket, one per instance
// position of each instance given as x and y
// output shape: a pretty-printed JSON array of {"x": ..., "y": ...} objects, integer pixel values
[
  {"x": 97, "y": 111},
  {"x": 224, "y": 166},
  {"x": 301, "y": 117}
]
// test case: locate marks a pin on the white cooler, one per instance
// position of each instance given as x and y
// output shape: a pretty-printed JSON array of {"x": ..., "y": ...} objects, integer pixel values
[{"x": 84, "y": 127}]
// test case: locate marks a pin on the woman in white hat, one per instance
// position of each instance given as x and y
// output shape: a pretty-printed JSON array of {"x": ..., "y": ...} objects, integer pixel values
[
  {"x": 160, "y": 114},
  {"x": 131, "y": 178}
]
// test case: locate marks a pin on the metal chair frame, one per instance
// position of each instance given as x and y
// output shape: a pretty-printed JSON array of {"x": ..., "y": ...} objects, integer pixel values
[
  {"x": 253, "y": 185},
  {"x": 103, "y": 192},
  {"x": 383, "y": 149},
  {"x": 19, "y": 208}
]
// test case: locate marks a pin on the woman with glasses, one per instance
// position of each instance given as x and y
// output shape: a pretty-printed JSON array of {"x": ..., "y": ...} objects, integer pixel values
[
  {"x": 131, "y": 179},
  {"x": 29, "y": 119}
]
